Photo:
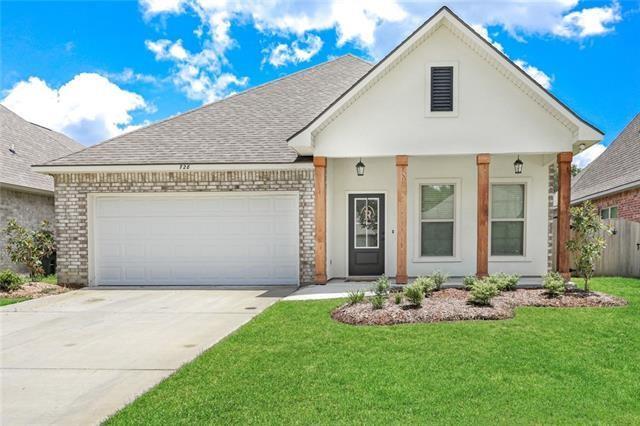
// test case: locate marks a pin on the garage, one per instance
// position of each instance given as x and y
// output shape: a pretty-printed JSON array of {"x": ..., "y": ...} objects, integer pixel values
[{"x": 194, "y": 239}]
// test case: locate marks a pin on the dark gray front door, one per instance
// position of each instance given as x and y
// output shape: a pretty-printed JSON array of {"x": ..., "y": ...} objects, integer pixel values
[{"x": 366, "y": 234}]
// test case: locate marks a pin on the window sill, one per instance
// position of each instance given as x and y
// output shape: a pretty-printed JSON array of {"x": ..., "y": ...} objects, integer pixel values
[
  {"x": 516, "y": 259},
  {"x": 436, "y": 259}
]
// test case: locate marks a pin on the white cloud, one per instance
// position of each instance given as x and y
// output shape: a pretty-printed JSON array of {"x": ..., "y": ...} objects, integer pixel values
[
  {"x": 127, "y": 75},
  {"x": 589, "y": 22},
  {"x": 485, "y": 34},
  {"x": 301, "y": 50},
  {"x": 88, "y": 108},
  {"x": 537, "y": 74},
  {"x": 583, "y": 159}
]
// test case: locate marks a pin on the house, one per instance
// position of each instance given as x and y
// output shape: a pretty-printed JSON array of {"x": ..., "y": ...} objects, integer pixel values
[
  {"x": 612, "y": 181},
  {"x": 25, "y": 195},
  {"x": 341, "y": 170}
]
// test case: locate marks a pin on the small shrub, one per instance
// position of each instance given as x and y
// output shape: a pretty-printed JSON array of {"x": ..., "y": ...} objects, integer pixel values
[
  {"x": 9, "y": 280},
  {"x": 469, "y": 281},
  {"x": 553, "y": 283},
  {"x": 398, "y": 297},
  {"x": 504, "y": 282},
  {"x": 482, "y": 293},
  {"x": 427, "y": 284},
  {"x": 377, "y": 301},
  {"x": 381, "y": 286},
  {"x": 354, "y": 297},
  {"x": 414, "y": 294},
  {"x": 439, "y": 278}
]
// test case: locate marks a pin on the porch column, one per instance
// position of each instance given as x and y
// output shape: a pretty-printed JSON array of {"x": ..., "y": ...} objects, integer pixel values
[
  {"x": 482, "y": 250},
  {"x": 564, "y": 201},
  {"x": 402, "y": 161},
  {"x": 320, "y": 192}
]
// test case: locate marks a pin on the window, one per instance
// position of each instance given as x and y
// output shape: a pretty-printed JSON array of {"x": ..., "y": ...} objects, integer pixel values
[
  {"x": 507, "y": 219},
  {"x": 442, "y": 88},
  {"x": 366, "y": 221},
  {"x": 609, "y": 212},
  {"x": 437, "y": 219}
]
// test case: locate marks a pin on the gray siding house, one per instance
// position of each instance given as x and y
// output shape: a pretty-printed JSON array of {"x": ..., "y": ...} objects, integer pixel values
[{"x": 25, "y": 195}]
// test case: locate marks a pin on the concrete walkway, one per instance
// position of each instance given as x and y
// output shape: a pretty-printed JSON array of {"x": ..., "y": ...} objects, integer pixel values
[{"x": 78, "y": 357}]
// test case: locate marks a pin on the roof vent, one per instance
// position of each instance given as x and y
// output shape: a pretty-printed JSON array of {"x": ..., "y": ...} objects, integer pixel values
[{"x": 12, "y": 149}]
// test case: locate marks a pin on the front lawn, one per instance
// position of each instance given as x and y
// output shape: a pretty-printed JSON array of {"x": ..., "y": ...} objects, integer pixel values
[
  {"x": 294, "y": 364},
  {"x": 4, "y": 301}
]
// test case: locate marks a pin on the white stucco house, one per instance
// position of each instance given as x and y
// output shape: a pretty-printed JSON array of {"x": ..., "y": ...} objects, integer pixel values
[{"x": 438, "y": 157}]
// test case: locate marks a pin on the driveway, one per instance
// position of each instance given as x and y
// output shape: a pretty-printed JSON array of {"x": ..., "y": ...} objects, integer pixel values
[{"x": 78, "y": 357}]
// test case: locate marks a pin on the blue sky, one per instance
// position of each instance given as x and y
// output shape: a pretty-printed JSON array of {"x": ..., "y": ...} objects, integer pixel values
[{"x": 93, "y": 69}]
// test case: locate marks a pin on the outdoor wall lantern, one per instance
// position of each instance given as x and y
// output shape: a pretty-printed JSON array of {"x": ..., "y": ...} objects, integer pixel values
[
  {"x": 517, "y": 165},
  {"x": 360, "y": 168}
]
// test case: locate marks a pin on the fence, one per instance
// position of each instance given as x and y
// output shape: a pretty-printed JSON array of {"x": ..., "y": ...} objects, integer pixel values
[{"x": 621, "y": 257}]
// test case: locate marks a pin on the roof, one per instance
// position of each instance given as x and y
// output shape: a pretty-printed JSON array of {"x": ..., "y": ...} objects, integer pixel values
[
  {"x": 442, "y": 13},
  {"x": 249, "y": 127},
  {"x": 32, "y": 144},
  {"x": 616, "y": 169}
]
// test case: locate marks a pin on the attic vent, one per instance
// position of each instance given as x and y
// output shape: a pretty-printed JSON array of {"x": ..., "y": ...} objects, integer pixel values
[{"x": 441, "y": 88}]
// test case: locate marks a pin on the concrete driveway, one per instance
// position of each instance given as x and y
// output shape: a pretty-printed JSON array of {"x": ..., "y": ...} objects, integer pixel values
[{"x": 78, "y": 357}]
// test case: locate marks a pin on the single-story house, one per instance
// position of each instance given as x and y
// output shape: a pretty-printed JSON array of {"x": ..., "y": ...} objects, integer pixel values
[
  {"x": 437, "y": 157},
  {"x": 612, "y": 181},
  {"x": 25, "y": 195}
]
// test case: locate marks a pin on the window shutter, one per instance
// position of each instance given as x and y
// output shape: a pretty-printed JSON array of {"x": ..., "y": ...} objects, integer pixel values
[{"x": 441, "y": 88}]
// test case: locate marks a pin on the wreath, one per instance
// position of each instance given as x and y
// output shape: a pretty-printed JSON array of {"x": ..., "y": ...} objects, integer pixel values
[{"x": 367, "y": 218}]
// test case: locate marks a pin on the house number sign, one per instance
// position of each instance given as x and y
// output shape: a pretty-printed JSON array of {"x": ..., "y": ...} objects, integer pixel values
[{"x": 184, "y": 166}]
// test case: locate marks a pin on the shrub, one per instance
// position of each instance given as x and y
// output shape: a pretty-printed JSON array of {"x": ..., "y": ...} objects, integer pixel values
[
  {"x": 427, "y": 284},
  {"x": 28, "y": 247},
  {"x": 377, "y": 301},
  {"x": 414, "y": 294},
  {"x": 469, "y": 281},
  {"x": 9, "y": 280},
  {"x": 439, "y": 278},
  {"x": 505, "y": 282},
  {"x": 553, "y": 283},
  {"x": 482, "y": 292},
  {"x": 354, "y": 297},
  {"x": 381, "y": 286},
  {"x": 398, "y": 298}
]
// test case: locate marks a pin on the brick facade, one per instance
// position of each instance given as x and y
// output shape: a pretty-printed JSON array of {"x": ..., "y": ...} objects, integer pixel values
[
  {"x": 551, "y": 211},
  {"x": 29, "y": 209},
  {"x": 71, "y": 206},
  {"x": 628, "y": 203}
]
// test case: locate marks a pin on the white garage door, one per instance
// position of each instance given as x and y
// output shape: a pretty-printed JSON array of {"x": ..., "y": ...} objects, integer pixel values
[{"x": 212, "y": 239}]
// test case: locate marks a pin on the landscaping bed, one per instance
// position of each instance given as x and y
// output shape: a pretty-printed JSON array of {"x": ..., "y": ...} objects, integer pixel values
[
  {"x": 453, "y": 305},
  {"x": 34, "y": 290}
]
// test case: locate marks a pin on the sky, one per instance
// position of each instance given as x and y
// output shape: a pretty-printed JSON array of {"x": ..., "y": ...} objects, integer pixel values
[{"x": 96, "y": 69}]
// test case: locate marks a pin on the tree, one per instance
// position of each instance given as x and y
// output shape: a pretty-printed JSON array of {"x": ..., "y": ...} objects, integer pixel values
[
  {"x": 586, "y": 244},
  {"x": 28, "y": 247},
  {"x": 575, "y": 170}
]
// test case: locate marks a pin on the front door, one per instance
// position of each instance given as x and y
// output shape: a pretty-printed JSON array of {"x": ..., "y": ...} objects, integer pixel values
[{"x": 366, "y": 234}]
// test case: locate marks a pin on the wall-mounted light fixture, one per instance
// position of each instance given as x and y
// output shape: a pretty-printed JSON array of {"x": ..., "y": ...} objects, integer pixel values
[
  {"x": 517, "y": 165},
  {"x": 360, "y": 168}
]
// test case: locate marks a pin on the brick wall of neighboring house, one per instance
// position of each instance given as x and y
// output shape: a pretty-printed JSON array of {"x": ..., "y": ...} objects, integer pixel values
[
  {"x": 29, "y": 209},
  {"x": 71, "y": 206},
  {"x": 628, "y": 203},
  {"x": 551, "y": 213}
]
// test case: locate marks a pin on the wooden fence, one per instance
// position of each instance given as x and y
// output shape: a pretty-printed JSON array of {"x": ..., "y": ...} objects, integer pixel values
[{"x": 621, "y": 257}]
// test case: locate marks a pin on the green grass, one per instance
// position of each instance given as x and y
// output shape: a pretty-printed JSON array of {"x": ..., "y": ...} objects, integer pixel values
[
  {"x": 4, "y": 301},
  {"x": 49, "y": 279},
  {"x": 293, "y": 364}
]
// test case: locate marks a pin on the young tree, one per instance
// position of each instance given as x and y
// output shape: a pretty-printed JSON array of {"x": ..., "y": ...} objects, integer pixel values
[
  {"x": 586, "y": 244},
  {"x": 28, "y": 247}
]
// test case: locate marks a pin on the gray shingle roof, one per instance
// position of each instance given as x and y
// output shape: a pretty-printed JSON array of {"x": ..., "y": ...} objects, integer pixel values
[
  {"x": 250, "y": 127},
  {"x": 33, "y": 144},
  {"x": 617, "y": 167}
]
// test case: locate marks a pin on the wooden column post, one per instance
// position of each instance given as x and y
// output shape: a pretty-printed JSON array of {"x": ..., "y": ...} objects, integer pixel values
[
  {"x": 564, "y": 220},
  {"x": 482, "y": 250},
  {"x": 402, "y": 161},
  {"x": 320, "y": 192}
]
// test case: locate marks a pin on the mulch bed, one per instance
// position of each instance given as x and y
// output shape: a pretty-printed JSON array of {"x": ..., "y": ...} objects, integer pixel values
[
  {"x": 33, "y": 290},
  {"x": 451, "y": 305}
]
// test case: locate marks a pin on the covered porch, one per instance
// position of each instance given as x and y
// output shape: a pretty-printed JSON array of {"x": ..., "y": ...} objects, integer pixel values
[{"x": 407, "y": 216}]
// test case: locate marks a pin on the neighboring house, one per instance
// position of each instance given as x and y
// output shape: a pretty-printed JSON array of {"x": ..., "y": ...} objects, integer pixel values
[
  {"x": 25, "y": 195},
  {"x": 612, "y": 181},
  {"x": 268, "y": 186}
]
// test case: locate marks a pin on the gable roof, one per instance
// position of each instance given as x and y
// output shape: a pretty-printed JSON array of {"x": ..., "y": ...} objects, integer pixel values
[
  {"x": 592, "y": 133},
  {"x": 616, "y": 169},
  {"x": 32, "y": 144},
  {"x": 249, "y": 127}
]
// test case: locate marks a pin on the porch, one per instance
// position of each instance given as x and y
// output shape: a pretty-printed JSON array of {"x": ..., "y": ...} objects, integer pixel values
[{"x": 490, "y": 219}]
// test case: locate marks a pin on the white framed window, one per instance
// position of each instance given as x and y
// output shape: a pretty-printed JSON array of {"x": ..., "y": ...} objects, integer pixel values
[
  {"x": 507, "y": 211},
  {"x": 441, "y": 91},
  {"x": 438, "y": 204},
  {"x": 610, "y": 212}
]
